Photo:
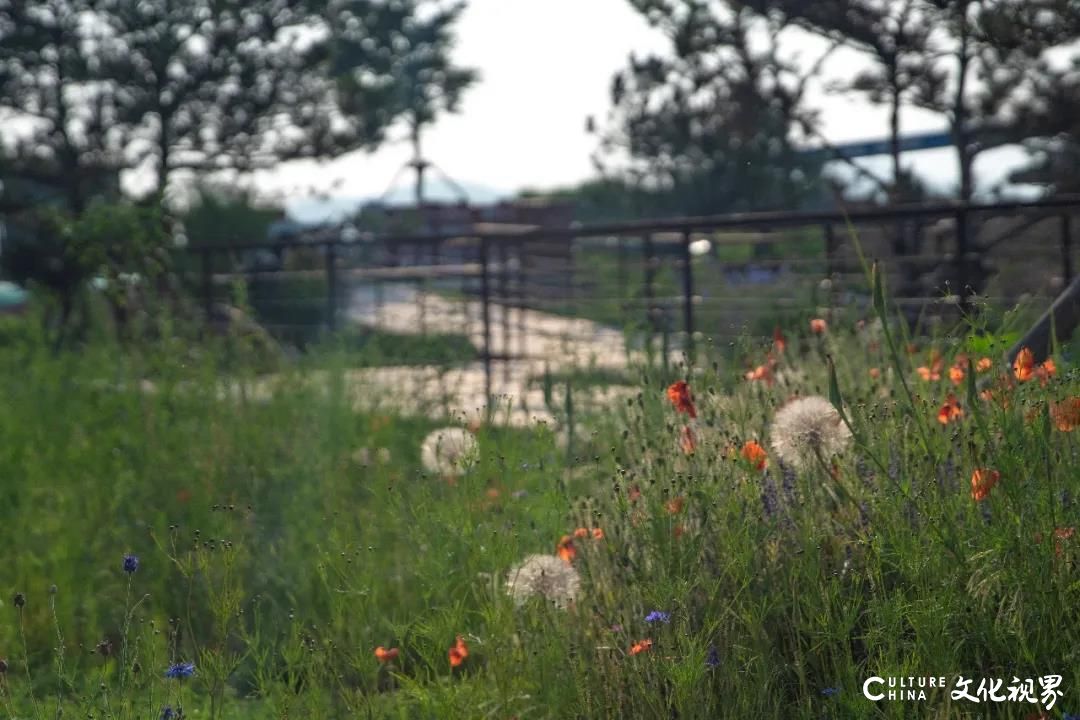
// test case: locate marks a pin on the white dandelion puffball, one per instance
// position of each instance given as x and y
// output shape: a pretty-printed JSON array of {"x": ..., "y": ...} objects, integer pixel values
[
  {"x": 448, "y": 451},
  {"x": 546, "y": 576},
  {"x": 807, "y": 427}
]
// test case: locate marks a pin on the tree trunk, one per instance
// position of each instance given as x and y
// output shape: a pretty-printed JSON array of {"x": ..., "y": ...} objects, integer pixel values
[
  {"x": 894, "y": 127},
  {"x": 960, "y": 115}
]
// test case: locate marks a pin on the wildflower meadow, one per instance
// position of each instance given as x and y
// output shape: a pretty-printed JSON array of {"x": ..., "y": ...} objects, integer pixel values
[{"x": 784, "y": 527}]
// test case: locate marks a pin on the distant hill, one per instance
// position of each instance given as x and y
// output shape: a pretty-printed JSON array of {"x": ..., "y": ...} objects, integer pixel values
[{"x": 335, "y": 207}]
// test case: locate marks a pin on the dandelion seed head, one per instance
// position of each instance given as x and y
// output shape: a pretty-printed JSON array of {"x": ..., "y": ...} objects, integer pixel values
[
  {"x": 805, "y": 427},
  {"x": 546, "y": 576},
  {"x": 448, "y": 451}
]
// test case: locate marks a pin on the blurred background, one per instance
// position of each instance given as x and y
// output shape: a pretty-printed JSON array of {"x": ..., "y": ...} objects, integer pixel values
[{"x": 504, "y": 186}]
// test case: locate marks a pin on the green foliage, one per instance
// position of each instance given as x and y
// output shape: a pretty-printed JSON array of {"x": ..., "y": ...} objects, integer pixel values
[
  {"x": 283, "y": 535},
  {"x": 221, "y": 217},
  {"x": 368, "y": 347},
  {"x": 709, "y": 127},
  {"x": 121, "y": 247},
  {"x": 194, "y": 86}
]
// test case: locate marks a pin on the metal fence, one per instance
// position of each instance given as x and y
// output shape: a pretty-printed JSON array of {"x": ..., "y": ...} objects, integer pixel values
[{"x": 674, "y": 279}]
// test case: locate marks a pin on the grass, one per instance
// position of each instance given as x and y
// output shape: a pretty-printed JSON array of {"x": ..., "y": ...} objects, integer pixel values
[{"x": 282, "y": 539}]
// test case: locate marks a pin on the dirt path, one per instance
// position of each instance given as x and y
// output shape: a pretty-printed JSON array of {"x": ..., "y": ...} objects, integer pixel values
[{"x": 549, "y": 341}]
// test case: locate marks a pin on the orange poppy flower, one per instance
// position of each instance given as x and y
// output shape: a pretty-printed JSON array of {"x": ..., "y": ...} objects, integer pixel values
[
  {"x": 679, "y": 395},
  {"x": 932, "y": 372},
  {"x": 755, "y": 454},
  {"x": 950, "y": 411},
  {"x": 778, "y": 341},
  {"x": 984, "y": 364},
  {"x": 640, "y": 647},
  {"x": 1060, "y": 536},
  {"x": 686, "y": 440},
  {"x": 597, "y": 534},
  {"x": 581, "y": 533},
  {"x": 982, "y": 481},
  {"x": 1066, "y": 414},
  {"x": 762, "y": 373},
  {"x": 675, "y": 505},
  {"x": 818, "y": 326},
  {"x": 458, "y": 652},
  {"x": 565, "y": 549},
  {"x": 956, "y": 374},
  {"x": 634, "y": 493},
  {"x": 679, "y": 530},
  {"x": 1024, "y": 365},
  {"x": 1046, "y": 371},
  {"x": 875, "y": 373},
  {"x": 384, "y": 656}
]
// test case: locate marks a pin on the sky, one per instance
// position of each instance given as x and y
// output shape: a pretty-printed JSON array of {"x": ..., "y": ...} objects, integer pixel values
[{"x": 546, "y": 66}]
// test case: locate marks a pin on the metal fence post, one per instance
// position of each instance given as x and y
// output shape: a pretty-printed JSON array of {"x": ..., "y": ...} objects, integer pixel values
[
  {"x": 1066, "y": 248},
  {"x": 830, "y": 250},
  {"x": 207, "y": 282},
  {"x": 504, "y": 303},
  {"x": 621, "y": 274},
  {"x": 650, "y": 272},
  {"x": 485, "y": 304},
  {"x": 522, "y": 292},
  {"x": 962, "y": 257},
  {"x": 688, "y": 295},
  {"x": 331, "y": 286}
]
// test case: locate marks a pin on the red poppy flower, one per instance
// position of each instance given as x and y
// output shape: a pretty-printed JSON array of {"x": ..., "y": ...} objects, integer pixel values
[
  {"x": 679, "y": 395},
  {"x": 950, "y": 411},
  {"x": 1024, "y": 365},
  {"x": 778, "y": 341},
  {"x": 458, "y": 652},
  {"x": 384, "y": 656},
  {"x": 675, "y": 505},
  {"x": 597, "y": 534},
  {"x": 818, "y": 326},
  {"x": 956, "y": 374},
  {"x": 565, "y": 549},
  {"x": 581, "y": 533},
  {"x": 762, "y": 373},
  {"x": 634, "y": 494},
  {"x": 982, "y": 481},
  {"x": 755, "y": 454}
]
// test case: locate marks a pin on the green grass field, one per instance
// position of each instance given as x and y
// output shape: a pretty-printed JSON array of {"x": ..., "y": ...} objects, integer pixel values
[{"x": 281, "y": 541}]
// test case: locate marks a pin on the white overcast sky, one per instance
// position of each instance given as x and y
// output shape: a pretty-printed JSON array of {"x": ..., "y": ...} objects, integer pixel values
[{"x": 545, "y": 66}]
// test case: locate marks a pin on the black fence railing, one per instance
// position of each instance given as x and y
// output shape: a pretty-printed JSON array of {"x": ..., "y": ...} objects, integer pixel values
[{"x": 665, "y": 278}]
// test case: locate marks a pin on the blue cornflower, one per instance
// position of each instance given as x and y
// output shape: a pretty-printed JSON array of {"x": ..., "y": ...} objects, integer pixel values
[
  {"x": 829, "y": 692},
  {"x": 1069, "y": 716},
  {"x": 658, "y": 616},
  {"x": 131, "y": 564},
  {"x": 180, "y": 670},
  {"x": 167, "y": 713},
  {"x": 712, "y": 658}
]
